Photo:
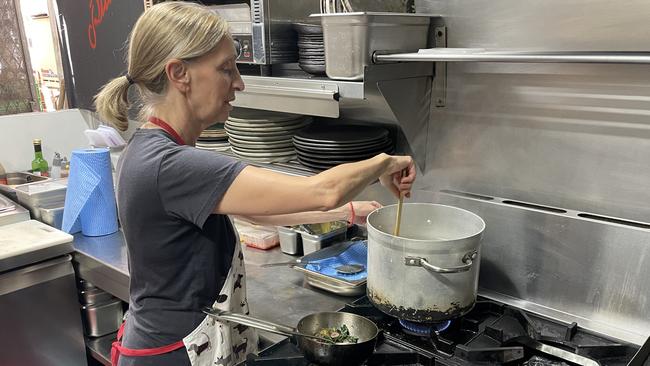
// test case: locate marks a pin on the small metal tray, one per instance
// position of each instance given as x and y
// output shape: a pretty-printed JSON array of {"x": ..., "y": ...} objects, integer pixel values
[{"x": 327, "y": 283}]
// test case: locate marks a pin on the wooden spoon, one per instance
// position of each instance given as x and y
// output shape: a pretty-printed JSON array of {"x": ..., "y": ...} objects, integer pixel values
[{"x": 398, "y": 219}]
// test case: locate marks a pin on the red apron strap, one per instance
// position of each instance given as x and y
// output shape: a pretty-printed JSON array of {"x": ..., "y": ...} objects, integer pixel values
[{"x": 117, "y": 349}]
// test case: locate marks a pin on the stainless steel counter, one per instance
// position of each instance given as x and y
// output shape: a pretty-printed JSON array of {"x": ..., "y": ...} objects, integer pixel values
[{"x": 277, "y": 294}]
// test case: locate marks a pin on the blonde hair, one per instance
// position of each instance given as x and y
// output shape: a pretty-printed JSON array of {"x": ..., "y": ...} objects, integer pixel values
[{"x": 168, "y": 30}]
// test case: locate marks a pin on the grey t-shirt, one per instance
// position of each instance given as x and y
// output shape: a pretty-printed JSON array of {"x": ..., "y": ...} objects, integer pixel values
[{"x": 179, "y": 252}]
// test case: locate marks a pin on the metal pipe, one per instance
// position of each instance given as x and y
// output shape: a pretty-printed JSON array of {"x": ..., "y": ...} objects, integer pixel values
[{"x": 465, "y": 55}]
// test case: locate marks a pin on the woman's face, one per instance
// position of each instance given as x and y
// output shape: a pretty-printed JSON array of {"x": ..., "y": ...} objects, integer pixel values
[{"x": 214, "y": 80}]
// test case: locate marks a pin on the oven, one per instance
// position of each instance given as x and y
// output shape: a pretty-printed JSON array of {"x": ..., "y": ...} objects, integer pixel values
[{"x": 263, "y": 29}]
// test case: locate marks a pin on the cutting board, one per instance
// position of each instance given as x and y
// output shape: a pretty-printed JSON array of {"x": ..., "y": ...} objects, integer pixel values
[{"x": 29, "y": 236}]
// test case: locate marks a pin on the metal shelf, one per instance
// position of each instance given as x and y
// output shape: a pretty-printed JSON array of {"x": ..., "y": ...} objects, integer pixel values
[
  {"x": 482, "y": 55},
  {"x": 100, "y": 348},
  {"x": 315, "y": 96},
  {"x": 297, "y": 92}
]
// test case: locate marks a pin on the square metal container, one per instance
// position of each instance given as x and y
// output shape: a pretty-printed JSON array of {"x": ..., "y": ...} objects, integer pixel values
[
  {"x": 52, "y": 216},
  {"x": 102, "y": 319},
  {"x": 16, "y": 179},
  {"x": 290, "y": 240},
  {"x": 18, "y": 214},
  {"x": 351, "y": 38},
  {"x": 95, "y": 296},
  {"x": 43, "y": 194},
  {"x": 314, "y": 242}
]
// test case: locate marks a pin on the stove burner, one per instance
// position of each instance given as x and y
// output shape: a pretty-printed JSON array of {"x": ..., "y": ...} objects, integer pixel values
[{"x": 424, "y": 329}]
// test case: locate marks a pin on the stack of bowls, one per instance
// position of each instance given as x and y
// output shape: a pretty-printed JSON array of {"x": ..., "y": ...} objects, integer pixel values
[
  {"x": 311, "y": 48},
  {"x": 325, "y": 144},
  {"x": 263, "y": 136},
  {"x": 213, "y": 138}
]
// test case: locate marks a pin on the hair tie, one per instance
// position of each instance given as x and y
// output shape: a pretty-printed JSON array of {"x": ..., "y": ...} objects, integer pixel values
[{"x": 129, "y": 78}]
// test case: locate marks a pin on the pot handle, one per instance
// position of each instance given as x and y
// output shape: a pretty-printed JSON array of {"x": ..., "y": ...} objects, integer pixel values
[
  {"x": 468, "y": 259},
  {"x": 250, "y": 321},
  {"x": 259, "y": 324}
]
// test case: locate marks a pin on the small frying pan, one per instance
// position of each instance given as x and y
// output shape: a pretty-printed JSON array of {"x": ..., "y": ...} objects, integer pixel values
[{"x": 315, "y": 350}]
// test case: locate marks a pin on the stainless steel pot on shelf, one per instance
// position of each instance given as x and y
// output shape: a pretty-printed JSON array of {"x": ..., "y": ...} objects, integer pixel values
[{"x": 430, "y": 272}]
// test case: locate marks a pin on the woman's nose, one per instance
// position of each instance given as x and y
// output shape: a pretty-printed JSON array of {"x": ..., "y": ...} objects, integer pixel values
[{"x": 238, "y": 83}]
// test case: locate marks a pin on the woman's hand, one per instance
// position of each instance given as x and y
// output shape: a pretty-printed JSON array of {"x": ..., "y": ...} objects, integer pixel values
[
  {"x": 400, "y": 176},
  {"x": 361, "y": 211}
]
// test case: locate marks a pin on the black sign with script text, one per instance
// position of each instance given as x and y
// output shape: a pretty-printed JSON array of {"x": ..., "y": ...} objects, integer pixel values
[{"x": 97, "y": 31}]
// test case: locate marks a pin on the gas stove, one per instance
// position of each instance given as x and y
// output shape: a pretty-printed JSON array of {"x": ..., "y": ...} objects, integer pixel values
[{"x": 492, "y": 333}]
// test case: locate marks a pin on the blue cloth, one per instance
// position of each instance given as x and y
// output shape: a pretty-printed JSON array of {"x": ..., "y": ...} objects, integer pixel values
[
  {"x": 357, "y": 253},
  {"x": 90, "y": 200}
]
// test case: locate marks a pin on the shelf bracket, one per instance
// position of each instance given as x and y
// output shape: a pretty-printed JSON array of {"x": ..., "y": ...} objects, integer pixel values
[{"x": 440, "y": 78}]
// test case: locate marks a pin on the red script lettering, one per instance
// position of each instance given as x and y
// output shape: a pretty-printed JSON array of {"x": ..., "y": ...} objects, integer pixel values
[{"x": 97, "y": 10}]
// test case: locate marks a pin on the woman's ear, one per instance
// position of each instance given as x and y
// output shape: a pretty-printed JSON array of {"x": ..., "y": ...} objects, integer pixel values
[{"x": 178, "y": 74}]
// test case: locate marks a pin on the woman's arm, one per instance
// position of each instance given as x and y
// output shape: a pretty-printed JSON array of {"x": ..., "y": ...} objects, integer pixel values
[
  {"x": 361, "y": 210},
  {"x": 261, "y": 192}
]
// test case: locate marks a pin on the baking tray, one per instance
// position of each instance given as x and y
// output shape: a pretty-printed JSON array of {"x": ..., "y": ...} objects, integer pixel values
[{"x": 328, "y": 283}]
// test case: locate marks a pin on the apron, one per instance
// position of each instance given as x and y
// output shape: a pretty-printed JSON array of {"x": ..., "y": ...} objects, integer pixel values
[{"x": 212, "y": 343}]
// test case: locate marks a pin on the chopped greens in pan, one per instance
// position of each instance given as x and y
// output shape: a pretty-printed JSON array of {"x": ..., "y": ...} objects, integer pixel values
[{"x": 337, "y": 335}]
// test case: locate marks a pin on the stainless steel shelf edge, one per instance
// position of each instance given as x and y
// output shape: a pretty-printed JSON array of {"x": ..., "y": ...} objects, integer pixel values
[
  {"x": 319, "y": 96},
  {"x": 102, "y": 261},
  {"x": 314, "y": 97},
  {"x": 481, "y": 55},
  {"x": 100, "y": 348}
]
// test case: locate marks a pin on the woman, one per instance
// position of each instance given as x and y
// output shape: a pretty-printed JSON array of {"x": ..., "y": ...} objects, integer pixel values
[{"x": 174, "y": 199}]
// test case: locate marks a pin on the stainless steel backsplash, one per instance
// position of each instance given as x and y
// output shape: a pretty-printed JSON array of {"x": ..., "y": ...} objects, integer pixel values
[{"x": 576, "y": 137}]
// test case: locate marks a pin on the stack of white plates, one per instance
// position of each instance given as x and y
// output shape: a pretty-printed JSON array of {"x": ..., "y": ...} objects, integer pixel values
[
  {"x": 263, "y": 136},
  {"x": 214, "y": 138}
]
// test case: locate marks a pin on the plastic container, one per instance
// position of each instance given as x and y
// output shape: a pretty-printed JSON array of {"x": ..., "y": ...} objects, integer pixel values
[
  {"x": 261, "y": 237},
  {"x": 290, "y": 240},
  {"x": 320, "y": 236}
]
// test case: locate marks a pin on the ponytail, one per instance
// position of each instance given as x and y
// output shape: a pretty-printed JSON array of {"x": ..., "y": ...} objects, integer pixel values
[
  {"x": 112, "y": 102},
  {"x": 169, "y": 30}
]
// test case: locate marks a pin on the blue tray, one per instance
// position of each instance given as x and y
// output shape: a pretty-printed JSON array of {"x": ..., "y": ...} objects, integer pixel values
[{"x": 327, "y": 259}]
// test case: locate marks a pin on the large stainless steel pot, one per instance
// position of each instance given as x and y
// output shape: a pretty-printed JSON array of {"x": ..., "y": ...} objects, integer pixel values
[{"x": 430, "y": 272}]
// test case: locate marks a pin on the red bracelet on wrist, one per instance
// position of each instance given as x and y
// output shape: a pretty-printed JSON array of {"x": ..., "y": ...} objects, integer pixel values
[{"x": 352, "y": 215}]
